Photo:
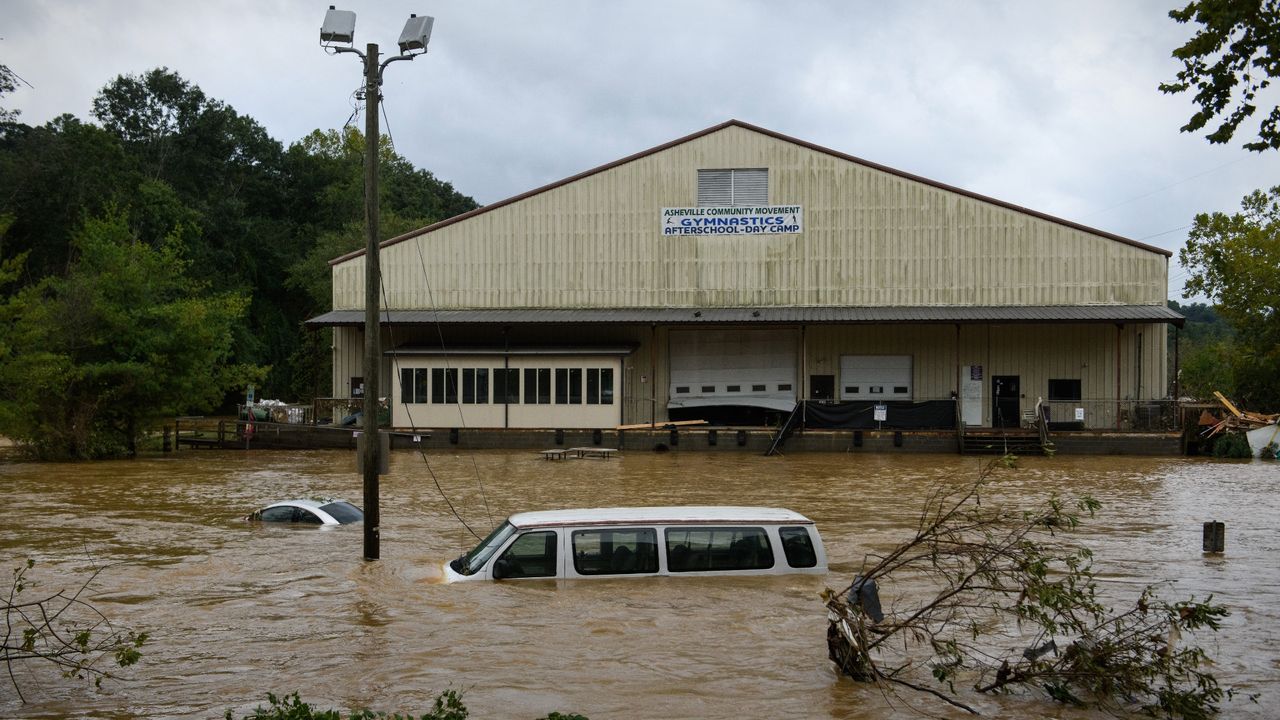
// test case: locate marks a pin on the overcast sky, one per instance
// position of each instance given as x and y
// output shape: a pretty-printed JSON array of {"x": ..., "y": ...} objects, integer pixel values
[{"x": 1049, "y": 105}]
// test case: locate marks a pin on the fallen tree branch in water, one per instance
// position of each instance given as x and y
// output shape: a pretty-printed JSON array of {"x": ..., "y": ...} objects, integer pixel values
[
  {"x": 64, "y": 630},
  {"x": 1009, "y": 604}
]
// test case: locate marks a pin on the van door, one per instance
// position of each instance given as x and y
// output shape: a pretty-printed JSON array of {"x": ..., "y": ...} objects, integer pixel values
[{"x": 533, "y": 554}]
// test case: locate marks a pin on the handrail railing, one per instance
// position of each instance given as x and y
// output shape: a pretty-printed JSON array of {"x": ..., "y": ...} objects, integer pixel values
[{"x": 785, "y": 429}]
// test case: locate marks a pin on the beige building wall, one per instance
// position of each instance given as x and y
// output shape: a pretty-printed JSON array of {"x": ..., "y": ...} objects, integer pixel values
[
  {"x": 871, "y": 238},
  {"x": 1034, "y": 353}
]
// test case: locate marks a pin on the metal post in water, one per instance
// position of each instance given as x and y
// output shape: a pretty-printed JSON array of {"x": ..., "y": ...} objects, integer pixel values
[{"x": 1215, "y": 537}]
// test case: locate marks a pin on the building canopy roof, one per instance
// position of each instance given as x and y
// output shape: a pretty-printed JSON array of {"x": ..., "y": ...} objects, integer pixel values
[{"x": 927, "y": 315}]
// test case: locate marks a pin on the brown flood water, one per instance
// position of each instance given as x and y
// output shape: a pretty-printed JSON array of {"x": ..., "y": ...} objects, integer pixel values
[{"x": 236, "y": 611}]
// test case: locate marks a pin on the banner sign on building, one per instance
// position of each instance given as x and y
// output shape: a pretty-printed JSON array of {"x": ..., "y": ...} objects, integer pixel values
[{"x": 733, "y": 220}]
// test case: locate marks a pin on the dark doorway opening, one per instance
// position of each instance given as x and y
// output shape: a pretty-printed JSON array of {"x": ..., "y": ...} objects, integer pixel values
[
  {"x": 1006, "y": 401},
  {"x": 822, "y": 387}
]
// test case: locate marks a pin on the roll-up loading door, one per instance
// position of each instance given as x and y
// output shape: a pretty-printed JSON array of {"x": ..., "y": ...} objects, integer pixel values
[{"x": 755, "y": 368}]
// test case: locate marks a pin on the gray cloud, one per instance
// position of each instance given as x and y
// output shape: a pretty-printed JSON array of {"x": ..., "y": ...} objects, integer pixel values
[{"x": 1049, "y": 105}]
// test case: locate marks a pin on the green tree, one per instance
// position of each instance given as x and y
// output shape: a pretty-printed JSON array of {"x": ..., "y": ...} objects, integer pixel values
[
  {"x": 327, "y": 169},
  {"x": 51, "y": 178},
  {"x": 1234, "y": 56},
  {"x": 126, "y": 338},
  {"x": 1235, "y": 261},
  {"x": 8, "y": 83},
  {"x": 1204, "y": 349}
]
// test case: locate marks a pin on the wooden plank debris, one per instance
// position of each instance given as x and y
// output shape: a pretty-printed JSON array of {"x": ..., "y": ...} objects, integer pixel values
[{"x": 663, "y": 425}]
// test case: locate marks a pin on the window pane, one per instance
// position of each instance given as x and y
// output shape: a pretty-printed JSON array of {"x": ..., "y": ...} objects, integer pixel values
[
  {"x": 451, "y": 385},
  {"x": 420, "y": 385},
  {"x": 575, "y": 386},
  {"x": 544, "y": 386},
  {"x": 619, "y": 551},
  {"x": 469, "y": 386},
  {"x": 1064, "y": 390},
  {"x": 499, "y": 385},
  {"x": 278, "y": 514},
  {"x": 437, "y": 385},
  {"x": 530, "y": 386},
  {"x": 709, "y": 549},
  {"x": 593, "y": 386},
  {"x": 715, "y": 188},
  {"x": 513, "y": 386},
  {"x": 482, "y": 385},
  {"x": 606, "y": 386},
  {"x": 750, "y": 187},
  {"x": 798, "y": 547},
  {"x": 562, "y": 386},
  {"x": 406, "y": 385},
  {"x": 532, "y": 555},
  {"x": 307, "y": 517}
]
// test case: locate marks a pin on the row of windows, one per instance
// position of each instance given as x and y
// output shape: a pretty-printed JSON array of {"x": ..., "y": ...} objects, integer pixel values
[
  {"x": 877, "y": 389},
  {"x": 482, "y": 386},
  {"x": 684, "y": 389},
  {"x": 627, "y": 551}
]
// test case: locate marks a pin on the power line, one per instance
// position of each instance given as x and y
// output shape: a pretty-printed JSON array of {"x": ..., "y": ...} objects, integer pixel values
[{"x": 1166, "y": 187}]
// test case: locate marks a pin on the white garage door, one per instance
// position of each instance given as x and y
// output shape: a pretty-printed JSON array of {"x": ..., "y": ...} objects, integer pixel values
[
  {"x": 733, "y": 367},
  {"x": 875, "y": 377}
]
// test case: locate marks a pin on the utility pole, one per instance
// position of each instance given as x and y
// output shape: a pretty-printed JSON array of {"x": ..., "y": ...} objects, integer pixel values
[
  {"x": 372, "y": 285},
  {"x": 339, "y": 28}
]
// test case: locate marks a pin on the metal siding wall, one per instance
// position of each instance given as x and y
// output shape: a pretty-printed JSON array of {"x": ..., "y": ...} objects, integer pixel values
[
  {"x": 871, "y": 239},
  {"x": 348, "y": 358},
  {"x": 1035, "y": 353}
]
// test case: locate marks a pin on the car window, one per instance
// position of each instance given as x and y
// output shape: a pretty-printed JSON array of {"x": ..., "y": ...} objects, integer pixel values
[
  {"x": 307, "y": 517},
  {"x": 343, "y": 512},
  {"x": 701, "y": 549},
  {"x": 280, "y": 513},
  {"x": 798, "y": 547},
  {"x": 618, "y": 551},
  {"x": 533, "y": 554}
]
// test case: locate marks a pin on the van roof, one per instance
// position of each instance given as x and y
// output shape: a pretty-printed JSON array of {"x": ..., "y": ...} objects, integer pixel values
[{"x": 719, "y": 514}]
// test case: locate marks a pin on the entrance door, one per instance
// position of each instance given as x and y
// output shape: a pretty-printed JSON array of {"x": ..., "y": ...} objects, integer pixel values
[
  {"x": 822, "y": 387},
  {"x": 1006, "y": 401}
]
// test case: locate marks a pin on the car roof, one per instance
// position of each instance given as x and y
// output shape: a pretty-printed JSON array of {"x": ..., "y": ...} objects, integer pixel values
[
  {"x": 307, "y": 503},
  {"x": 677, "y": 515}
]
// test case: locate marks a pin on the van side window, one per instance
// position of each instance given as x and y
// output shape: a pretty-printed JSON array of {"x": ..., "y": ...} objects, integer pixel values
[
  {"x": 798, "y": 547},
  {"x": 700, "y": 549},
  {"x": 616, "y": 551},
  {"x": 532, "y": 554}
]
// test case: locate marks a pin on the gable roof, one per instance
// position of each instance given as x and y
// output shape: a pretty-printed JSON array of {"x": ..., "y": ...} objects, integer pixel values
[{"x": 772, "y": 134}]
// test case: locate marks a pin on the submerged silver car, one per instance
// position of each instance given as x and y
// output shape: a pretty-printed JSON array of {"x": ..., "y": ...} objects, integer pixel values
[{"x": 326, "y": 511}]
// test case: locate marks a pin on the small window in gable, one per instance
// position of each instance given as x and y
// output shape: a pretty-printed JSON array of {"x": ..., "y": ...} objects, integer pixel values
[{"x": 733, "y": 188}]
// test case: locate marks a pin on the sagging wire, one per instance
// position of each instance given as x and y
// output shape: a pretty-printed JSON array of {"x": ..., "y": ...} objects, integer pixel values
[
  {"x": 462, "y": 420},
  {"x": 395, "y": 361}
]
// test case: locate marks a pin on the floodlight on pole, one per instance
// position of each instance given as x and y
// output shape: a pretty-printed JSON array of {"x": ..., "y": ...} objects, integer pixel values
[{"x": 339, "y": 28}]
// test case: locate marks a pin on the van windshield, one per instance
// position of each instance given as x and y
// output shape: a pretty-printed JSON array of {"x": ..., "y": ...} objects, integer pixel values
[{"x": 474, "y": 560}]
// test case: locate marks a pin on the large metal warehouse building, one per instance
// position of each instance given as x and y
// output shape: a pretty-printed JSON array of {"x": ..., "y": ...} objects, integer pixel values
[{"x": 729, "y": 274}]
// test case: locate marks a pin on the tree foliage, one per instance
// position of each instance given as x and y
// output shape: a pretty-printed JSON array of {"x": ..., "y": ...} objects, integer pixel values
[
  {"x": 1235, "y": 261},
  {"x": 124, "y": 339},
  {"x": 1233, "y": 57},
  {"x": 1009, "y": 604},
  {"x": 259, "y": 221},
  {"x": 1203, "y": 350},
  {"x": 62, "y": 630},
  {"x": 448, "y": 706}
]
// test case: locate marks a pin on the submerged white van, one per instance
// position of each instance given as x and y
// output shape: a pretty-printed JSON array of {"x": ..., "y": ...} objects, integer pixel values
[{"x": 628, "y": 542}]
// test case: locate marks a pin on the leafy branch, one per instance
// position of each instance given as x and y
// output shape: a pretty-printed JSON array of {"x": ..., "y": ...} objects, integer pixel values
[
  {"x": 64, "y": 630},
  {"x": 1010, "y": 604}
]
